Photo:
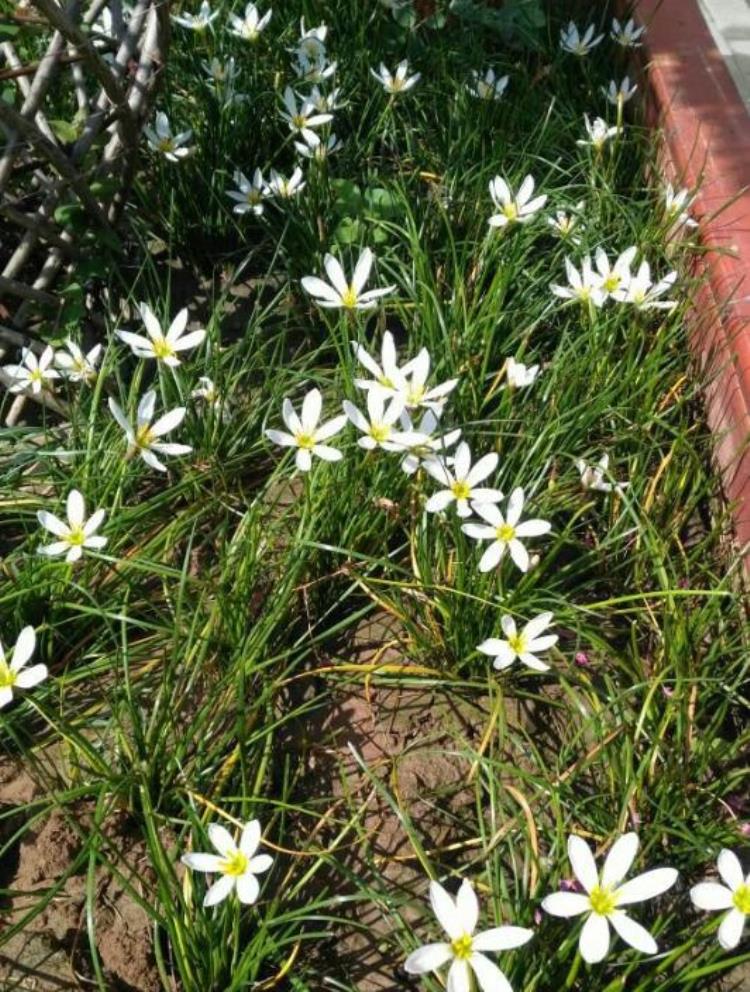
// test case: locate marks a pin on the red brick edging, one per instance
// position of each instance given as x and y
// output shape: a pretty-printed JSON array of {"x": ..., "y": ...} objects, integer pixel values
[{"x": 706, "y": 130}]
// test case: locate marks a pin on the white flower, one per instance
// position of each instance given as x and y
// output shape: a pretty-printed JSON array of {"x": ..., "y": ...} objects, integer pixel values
[
  {"x": 462, "y": 481},
  {"x": 305, "y": 434},
  {"x": 458, "y": 917},
  {"x": 422, "y": 444},
  {"x": 162, "y": 347},
  {"x": 143, "y": 437},
  {"x": 197, "y": 22},
  {"x": 286, "y": 188},
  {"x": 388, "y": 377},
  {"x": 584, "y": 286},
  {"x": 518, "y": 208},
  {"x": 206, "y": 392},
  {"x": 505, "y": 532},
  {"x": 734, "y": 895},
  {"x": 250, "y": 26},
  {"x": 315, "y": 69},
  {"x": 599, "y": 133},
  {"x": 77, "y": 367},
  {"x": 644, "y": 294},
  {"x": 15, "y": 674},
  {"x": 325, "y": 102},
  {"x": 312, "y": 41},
  {"x": 399, "y": 82},
  {"x": 34, "y": 374},
  {"x": 315, "y": 147},
  {"x": 161, "y": 139},
  {"x": 615, "y": 278},
  {"x": 520, "y": 375},
  {"x": 593, "y": 476},
  {"x": 248, "y": 195},
  {"x": 75, "y": 535},
  {"x": 377, "y": 427},
  {"x": 487, "y": 86},
  {"x": 575, "y": 43},
  {"x": 677, "y": 203},
  {"x": 414, "y": 385},
  {"x": 627, "y": 34},
  {"x": 340, "y": 293},
  {"x": 303, "y": 115},
  {"x": 618, "y": 95},
  {"x": 604, "y": 896},
  {"x": 523, "y": 645},
  {"x": 237, "y": 864},
  {"x": 564, "y": 224}
]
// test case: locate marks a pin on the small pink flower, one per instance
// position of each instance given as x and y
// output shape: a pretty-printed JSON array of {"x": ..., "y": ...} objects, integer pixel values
[{"x": 581, "y": 659}]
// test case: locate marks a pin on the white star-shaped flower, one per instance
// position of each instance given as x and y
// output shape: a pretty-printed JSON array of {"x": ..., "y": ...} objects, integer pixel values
[
  {"x": 339, "y": 292},
  {"x": 461, "y": 480},
  {"x": 77, "y": 366},
  {"x": 306, "y": 434},
  {"x": 286, "y": 188},
  {"x": 644, "y": 294},
  {"x": 398, "y": 82},
  {"x": 143, "y": 437},
  {"x": 516, "y": 208},
  {"x": 163, "y": 347},
  {"x": 161, "y": 140},
  {"x": 302, "y": 116},
  {"x": 598, "y": 131},
  {"x": 487, "y": 85},
  {"x": 16, "y": 675},
  {"x": 423, "y": 443},
  {"x": 33, "y": 374},
  {"x": 571, "y": 40},
  {"x": 237, "y": 865},
  {"x": 620, "y": 94},
  {"x": 251, "y": 25},
  {"x": 75, "y": 535},
  {"x": 627, "y": 34},
  {"x": 733, "y": 895},
  {"x": 584, "y": 287},
  {"x": 465, "y": 950},
  {"x": 595, "y": 476},
  {"x": 378, "y": 426},
  {"x": 317, "y": 148},
  {"x": 520, "y": 375},
  {"x": 603, "y": 898},
  {"x": 615, "y": 277},
  {"x": 413, "y": 387},
  {"x": 389, "y": 378},
  {"x": 197, "y": 22},
  {"x": 505, "y": 532},
  {"x": 523, "y": 645},
  {"x": 249, "y": 195}
]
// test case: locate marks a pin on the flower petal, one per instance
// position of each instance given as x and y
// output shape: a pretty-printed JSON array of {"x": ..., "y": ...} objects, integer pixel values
[
  {"x": 199, "y": 861},
  {"x": 168, "y": 421},
  {"x": 566, "y": 904},
  {"x": 646, "y": 886},
  {"x": 711, "y": 895},
  {"x": 250, "y": 838},
  {"x": 730, "y": 869},
  {"x": 427, "y": 958},
  {"x": 75, "y": 508},
  {"x": 730, "y": 931},
  {"x": 219, "y": 890},
  {"x": 29, "y": 677},
  {"x": 594, "y": 940},
  {"x": 24, "y": 648},
  {"x": 459, "y": 977},
  {"x": 582, "y": 862},
  {"x": 620, "y": 859},
  {"x": 489, "y": 976},
  {"x": 362, "y": 271},
  {"x": 221, "y": 839},
  {"x": 467, "y": 905},
  {"x": 52, "y": 523},
  {"x": 502, "y": 938},
  {"x": 633, "y": 933},
  {"x": 248, "y": 888},
  {"x": 445, "y": 911}
]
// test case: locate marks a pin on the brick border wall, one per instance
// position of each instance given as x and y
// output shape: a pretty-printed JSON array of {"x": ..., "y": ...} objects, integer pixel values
[{"x": 706, "y": 130}]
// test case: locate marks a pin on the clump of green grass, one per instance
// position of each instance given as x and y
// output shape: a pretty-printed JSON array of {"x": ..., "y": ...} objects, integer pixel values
[{"x": 194, "y": 659}]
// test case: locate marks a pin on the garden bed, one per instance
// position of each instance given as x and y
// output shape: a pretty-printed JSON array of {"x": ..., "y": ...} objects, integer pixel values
[{"x": 280, "y": 632}]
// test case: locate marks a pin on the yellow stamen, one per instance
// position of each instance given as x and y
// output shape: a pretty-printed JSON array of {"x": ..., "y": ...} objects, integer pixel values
[
  {"x": 305, "y": 441},
  {"x": 76, "y": 537},
  {"x": 163, "y": 349},
  {"x": 143, "y": 437},
  {"x": 505, "y": 532},
  {"x": 511, "y": 211},
  {"x": 7, "y": 677},
  {"x": 603, "y": 901},
  {"x": 461, "y": 489},
  {"x": 235, "y": 865},
  {"x": 741, "y": 899},
  {"x": 517, "y": 643},
  {"x": 462, "y": 947},
  {"x": 349, "y": 297},
  {"x": 379, "y": 432}
]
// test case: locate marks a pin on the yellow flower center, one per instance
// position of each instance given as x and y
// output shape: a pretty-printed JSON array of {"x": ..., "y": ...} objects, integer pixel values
[
  {"x": 7, "y": 677},
  {"x": 36, "y": 375},
  {"x": 163, "y": 349},
  {"x": 235, "y": 865},
  {"x": 76, "y": 536},
  {"x": 299, "y": 121},
  {"x": 505, "y": 532},
  {"x": 379, "y": 432},
  {"x": 462, "y": 947},
  {"x": 612, "y": 282},
  {"x": 166, "y": 145},
  {"x": 741, "y": 899},
  {"x": 517, "y": 643},
  {"x": 511, "y": 211},
  {"x": 461, "y": 489},
  {"x": 415, "y": 395},
  {"x": 386, "y": 382},
  {"x": 305, "y": 441},
  {"x": 349, "y": 297},
  {"x": 254, "y": 197},
  {"x": 484, "y": 90},
  {"x": 603, "y": 901},
  {"x": 143, "y": 437}
]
